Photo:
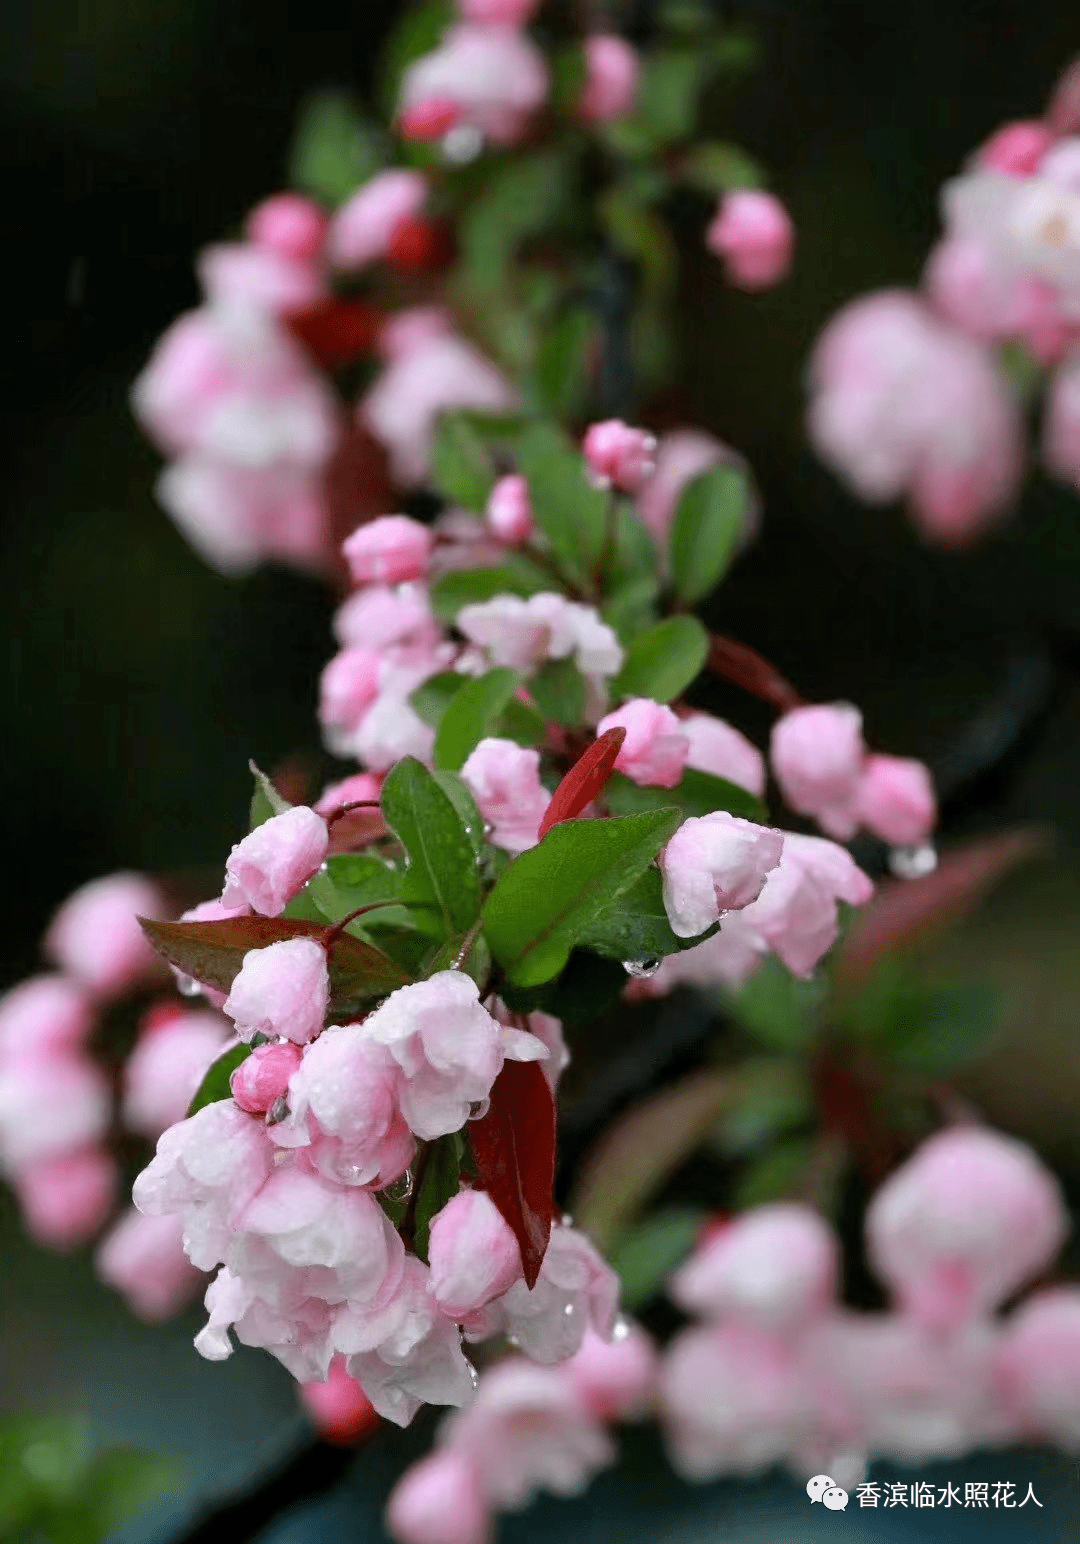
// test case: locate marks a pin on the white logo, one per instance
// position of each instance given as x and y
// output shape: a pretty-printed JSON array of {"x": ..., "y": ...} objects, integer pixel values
[{"x": 824, "y": 1489}]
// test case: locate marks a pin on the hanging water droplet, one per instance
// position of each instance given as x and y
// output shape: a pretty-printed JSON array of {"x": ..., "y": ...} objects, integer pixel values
[
  {"x": 401, "y": 1189},
  {"x": 258, "y": 1039},
  {"x": 913, "y": 862},
  {"x": 187, "y": 986},
  {"x": 621, "y": 1328},
  {"x": 566, "y": 1220},
  {"x": 277, "y": 1111},
  {"x": 569, "y": 1310},
  {"x": 474, "y": 1376},
  {"x": 351, "y": 1174},
  {"x": 512, "y": 1340},
  {"x": 462, "y": 144},
  {"x": 479, "y": 1108},
  {"x": 641, "y": 968}
]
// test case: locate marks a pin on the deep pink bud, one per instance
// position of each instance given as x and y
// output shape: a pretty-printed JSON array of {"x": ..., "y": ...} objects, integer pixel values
[
  {"x": 95, "y": 936},
  {"x": 275, "y": 860},
  {"x": 43, "y": 1016},
  {"x": 264, "y": 1076},
  {"x": 817, "y": 758},
  {"x": 363, "y": 229},
  {"x": 611, "y": 82},
  {"x": 288, "y": 224},
  {"x": 896, "y": 800},
  {"x": 473, "y": 1253},
  {"x": 754, "y": 235},
  {"x": 505, "y": 13},
  {"x": 283, "y": 989},
  {"x": 509, "y": 510},
  {"x": 654, "y": 751},
  {"x": 1016, "y": 148},
  {"x": 618, "y": 455},
  {"x": 440, "y": 1500},
  {"x": 66, "y": 1199},
  {"x": 340, "y": 1409},
  {"x": 388, "y": 551},
  {"x": 430, "y": 119}
]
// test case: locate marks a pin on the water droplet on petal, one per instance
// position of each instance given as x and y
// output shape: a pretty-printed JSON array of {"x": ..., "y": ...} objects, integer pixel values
[
  {"x": 913, "y": 862},
  {"x": 621, "y": 1328},
  {"x": 277, "y": 1111},
  {"x": 641, "y": 968},
  {"x": 569, "y": 1310},
  {"x": 566, "y": 1220},
  {"x": 473, "y": 1374},
  {"x": 401, "y": 1189},
  {"x": 512, "y": 1340},
  {"x": 462, "y": 144},
  {"x": 187, "y": 986}
]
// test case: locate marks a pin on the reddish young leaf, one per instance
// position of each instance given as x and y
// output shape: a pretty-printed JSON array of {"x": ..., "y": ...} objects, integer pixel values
[
  {"x": 213, "y": 952},
  {"x": 514, "y": 1150},
  {"x": 585, "y": 779},
  {"x": 336, "y": 330}
]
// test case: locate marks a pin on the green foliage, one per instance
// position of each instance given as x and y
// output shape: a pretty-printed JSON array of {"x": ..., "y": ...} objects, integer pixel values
[
  {"x": 697, "y": 793},
  {"x": 708, "y": 522},
  {"x": 716, "y": 167},
  {"x": 547, "y": 899},
  {"x": 472, "y": 715},
  {"x": 438, "y": 1183},
  {"x": 460, "y": 796},
  {"x": 442, "y": 875},
  {"x": 923, "y": 1027},
  {"x": 335, "y": 148},
  {"x": 774, "y": 1175},
  {"x": 520, "y": 196},
  {"x": 559, "y": 692},
  {"x": 645, "y": 1254},
  {"x": 433, "y": 696},
  {"x": 778, "y": 1010},
  {"x": 636, "y": 927},
  {"x": 418, "y": 31},
  {"x": 771, "y": 1098},
  {"x": 265, "y": 799},
  {"x": 563, "y": 358},
  {"x": 215, "y": 1085},
  {"x": 473, "y": 586},
  {"x": 662, "y": 662},
  {"x": 462, "y": 467},
  {"x": 567, "y": 508}
]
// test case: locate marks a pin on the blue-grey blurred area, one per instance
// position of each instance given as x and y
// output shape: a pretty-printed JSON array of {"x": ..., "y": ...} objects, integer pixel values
[{"x": 140, "y": 683}]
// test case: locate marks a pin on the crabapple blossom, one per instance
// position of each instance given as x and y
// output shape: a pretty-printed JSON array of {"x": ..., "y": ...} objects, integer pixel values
[
  {"x": 970, "y": 1217},
  {"x": 680, "y": 456},
  {"x": 613, "y": 70},
  {"x": 440, "y": 1500},
  {"x": 509, "y": 510},
  {"x": 774, "y": 1267},
  {"x": 713, "y": 864},
  {"x": 507, "y": 13},
  {"x": 165, "y": 1068},
  {"x": 896, "y": 800},
  {"x": 1016, "y": 148},
  {"x": 493, "y": 75},
  {"x": 275, "y": 860},
  {"x": 549, "y": 1031},
  {"x": 753, "y": 233},
  {"x": 615, "y": 1379},
  {"x": 377, "y": 617},
  {"x": 449, "y": 1049},
  {"x": 290, "y": 224},
  {"x": 717, "y": 748},
  {"x": 348, "y": 686},
  {"x": 473, "y": 1254},
  {"x": 360, "y": 787},
  {"x": 144, "y": 1259},
  {"x": 817, "y": 759},
  {"x": 1038, "y": 1366},
  {"x": 43, "y": 1016},
  {"x": 338, "y": 1406},
  {"x": 50, "y": 1105},
  {"x": 283, "y": 990},
  {"x": 66, "y": 1197},
  {"x": 618, "y": 456},
  {"x": 95, "y": 937},
  {"x": 245, "y": 275},
  {"x": 655, "y": 749},
  {"x": 263, "y": 1077},
  {"x": 362, "y": 230},
  {"x": 388, "y": 550},
  {"x": 237, "y": 516},
  {"x": 505, "y": 781},
  {"x": 522, "y": 634}
]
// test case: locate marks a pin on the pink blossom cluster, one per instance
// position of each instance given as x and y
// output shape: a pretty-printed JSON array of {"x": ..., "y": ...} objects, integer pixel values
[
  {"x": 908, "y": 397},
  {"x": 779, "y": 1372}
]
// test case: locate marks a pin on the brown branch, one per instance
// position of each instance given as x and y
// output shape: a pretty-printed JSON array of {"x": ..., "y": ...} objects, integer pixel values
[{"x": 745, "y": 667}]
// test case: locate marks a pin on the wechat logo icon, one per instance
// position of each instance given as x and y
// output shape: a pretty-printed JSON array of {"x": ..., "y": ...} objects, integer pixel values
[{"x": 824, "y": 1489}]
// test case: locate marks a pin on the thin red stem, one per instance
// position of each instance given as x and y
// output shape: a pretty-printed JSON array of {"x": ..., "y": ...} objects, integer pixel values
[{"x": 745, "y": 667}]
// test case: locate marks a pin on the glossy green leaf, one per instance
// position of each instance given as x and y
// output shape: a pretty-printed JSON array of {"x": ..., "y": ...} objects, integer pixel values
[
  {"x": 636, "y": 927},
  {"x": 548, "y": 897},
  {"x": 439, "y": 1182},
  {"x": 472, "y": 716},
  {"x": 667, "y": 98},
  {"x": 472, "y": 586},
  {"x": 215, "y": 1084},
  {"x": 462, "y": 467},
  {"x": 697, "y": 793},
  {"x": 360, "y": 880},
  {"x": 519, "y": 198},
  {"x": 522, "y": 724},
  {"x": 631, "y": 609},
  {"x": 646, "y": 1254},
  {"x": 715, "y": 167},
  {"x": 566, "y": 506},
  {"x": 771, "y": 1097},
  {"x": 335, "y": 148},
  {"x": 460, "y": 795},
  {"x": 265, "y": 799},
  {"x": 709, "y": 520},
  {"x": 774, "y": 1176},
  {"x": 559, "y": 692},
  {"x": 433, "y": 696},
  {"x": 442, "y": 873},
  {"x": 562, "y": 363},
  {"x": 663, "y": 662},
  {"x": 778, "y": 1010}
]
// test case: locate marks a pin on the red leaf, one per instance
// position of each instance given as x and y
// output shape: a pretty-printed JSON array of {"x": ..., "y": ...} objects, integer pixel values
[
  {"x": 514, "y": 1149},
  {"x": 585, "y": 779},
  {"x": 903, "y": 910},
  {"x": 336, "y": 330}
]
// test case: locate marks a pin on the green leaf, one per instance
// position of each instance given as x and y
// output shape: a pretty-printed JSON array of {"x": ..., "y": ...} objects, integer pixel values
[
  {"x": 462, "y": 467},
  {"x": 662, "y": 662},
  {"x": 559, "y": 692},
  {"x": 639, "y": 233},
  {"x": 562, "y": 362},
  {"x": 586, "y": 988},
  {"x": 265, "y": 799},
  {"x": 634, "y": 556},
  {"x": 520, "y": 197},
  {"x": 433, "y": 696},
  {"x": 566, "y": 506},
  {"x": 123, "y": 1481},
  {"x": 774, "y": 1175},
  {"x": 354, "y": 880},
  {"x": 636, "y": 927},
  {"x": 646, "y": 1254},
  {"x": 473, "y": 586},
  {"x": 698, "y": 793},
  {"x": 709, "y": 521},
  {"x": 335, "y": 148},
  {"x": 522, "y": 724},
  {"x": 460, "y": 796},
  {"x": 632, "y": 608},
  {"x": 549, "y": 895},
  {"x": 716, "y": 167},
  {"x": 771, "y": 1097},
  {"x": 472, "y": 716},
  {"x": 440, "y": 1182},
  {"x": 569, "y": 72},
  {"x": 215, "y": 1084},
  {"x": 778, "y": 1010},
  {"x": 920, "y": 1026},
  {"x": 442, "y": 873}
]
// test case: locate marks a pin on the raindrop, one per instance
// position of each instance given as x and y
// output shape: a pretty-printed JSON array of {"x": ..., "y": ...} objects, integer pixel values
[
  {"x": 277, "y": 1111},
  {"x": 351, "y": 1174},
  {"x": 513, "y": 1340},
  {"x": 187, "y": 986},
  {"x": 641, "y": 968},
  {"x": 566, "y": 1220},
  {"x": 479, "y": 1108},
  {"x": 569, "y": 1310},
  {"x": 401, "y": 1189},
  {"x": 258, "y": 1039},
  {"x": 462, "y": 144},
  {"x": 473, "y": 1374},
  {"x": 913, "y": 862},
  {"x": 621, "y": 1329}
]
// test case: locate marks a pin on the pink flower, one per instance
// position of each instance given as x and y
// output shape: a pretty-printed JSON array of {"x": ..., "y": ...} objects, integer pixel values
[
  {"x": 95, "y": 936},
  {"x": 439, "y": 372},
  {"x": 263, "y": 1077},
  {"x": 611, "y": 82},
  {"x": 717, "y": 748},
  {"x": 714, "y": 864},
  {"x": 575, "y": 1291},
  {"x": 614, "y": 1379},
  {"x": 495, "y": 75},
  {"x": 682, "y": 455},
  {"x": 44, "y": 1016},
  {"x": 1061, "y": 424},
  {"x": 66, "y": 1198},
  {"x": 348, "y": 686},
  {"x": 968, "y": 1218},
  {"x": 344, "y": 1109},
  {"x": 450, "y": 1049},
  {"x": 505, "y": 781},
  {"x": 377, "y": 617},
  {"x": 901, "y": 404},
  {"x": 49, "y": 1106},
  {"x": 617, "y": 455},
  {"x": 340, "y": 1409},
  {"x": 509, "y": 510},
  {"x": 275, "y": 860},
  {"x": 361, "y": 786},
  {"x": 243, "y": 275},
  {"x": 817, "y": 758},
  {"x": 163, "y": 1072},
  {"x": 655, "y": 749},
  {"x": 1038, "y": 1366},
  {"x": 549, "y": 1032},
  {"x": 388, "y": 550},
  {"x": 439, "y": 1500},
  {"x": 283, "y": 989},
  {"x": 362, "y": 230},
  {"x": 1016, "y": 148},
  {"x": 288, "y": 223},
  {"x": 896, "y": 800},
  {"x": 521, "y": 634},
  {"x": 754, "y": 235},
  {"x": 144, "y": 1259},
  {"x": 506, "y": 13},
  {"x": 236, "y": 516},
  {"x": 473, "y": 1254},
  {"x": 774, "y": 1267}
]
